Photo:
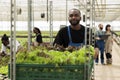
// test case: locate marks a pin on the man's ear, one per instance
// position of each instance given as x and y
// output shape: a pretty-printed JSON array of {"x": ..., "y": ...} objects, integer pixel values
[{"x": 80, "y": 18}]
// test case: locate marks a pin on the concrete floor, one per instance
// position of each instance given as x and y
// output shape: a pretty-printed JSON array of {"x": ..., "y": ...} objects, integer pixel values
[{"x": 109, "y": 72}]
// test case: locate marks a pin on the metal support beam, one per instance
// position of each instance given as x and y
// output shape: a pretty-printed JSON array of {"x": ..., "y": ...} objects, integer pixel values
[
  {"x": 13, "y": 41},
  {"x": 47, "y": 9},
  {"x": 93, "y": 33},
  {"x": 88, "y": 28},
  {"x": 93, "y": 22},
  {"x": 88, "y": 20},
  {"x": 66, "y": 11},
  {"x": 29, "y": 23},
  {"x": 51, "y": 21}
]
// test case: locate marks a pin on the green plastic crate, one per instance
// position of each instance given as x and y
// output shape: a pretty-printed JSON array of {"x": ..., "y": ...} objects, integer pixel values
[{"x": 52, "y": 72}]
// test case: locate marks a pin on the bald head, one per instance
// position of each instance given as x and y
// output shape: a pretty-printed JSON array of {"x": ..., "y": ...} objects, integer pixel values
[
  {"x": 74, "y": 17},
  {"x": 75, "y": 10}
]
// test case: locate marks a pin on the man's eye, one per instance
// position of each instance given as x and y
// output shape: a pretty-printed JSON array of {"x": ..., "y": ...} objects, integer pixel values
[
  {"x": 76, "y": 15},
  {"x": 70, "y": 15}
]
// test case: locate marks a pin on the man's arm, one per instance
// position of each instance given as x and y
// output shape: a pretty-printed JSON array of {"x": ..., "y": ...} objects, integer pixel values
[
  {"x": 17, "y": 46},
  {"x": 3, "y": 50},
  {"x": 96, "y": 36}
]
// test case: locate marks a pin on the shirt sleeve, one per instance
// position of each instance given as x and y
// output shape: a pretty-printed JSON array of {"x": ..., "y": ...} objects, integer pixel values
[
  {"x": 39, "y": 39},
  {"x": 58, "y": 39},
  {"x": 96, "y": 34},
  {"x": 62, "y": 37},
  {"x": 17, "y": 45},
  {"x": 3, "y": 48}
]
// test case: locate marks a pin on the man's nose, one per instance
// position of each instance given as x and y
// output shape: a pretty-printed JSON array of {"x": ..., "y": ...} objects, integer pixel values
[{"x": 73, "y": 17}]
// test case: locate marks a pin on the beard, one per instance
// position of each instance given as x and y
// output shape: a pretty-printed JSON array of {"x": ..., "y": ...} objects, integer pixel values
[
  {"x": 74, "y": 22},
  {"x": 101, "y": 28}
]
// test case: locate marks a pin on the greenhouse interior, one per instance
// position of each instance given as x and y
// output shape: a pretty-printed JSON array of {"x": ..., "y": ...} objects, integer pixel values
[{"x": 34, "y": 46}]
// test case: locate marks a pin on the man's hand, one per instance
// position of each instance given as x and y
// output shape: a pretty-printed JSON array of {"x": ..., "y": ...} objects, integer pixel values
[{"x": 97, "y": 38}]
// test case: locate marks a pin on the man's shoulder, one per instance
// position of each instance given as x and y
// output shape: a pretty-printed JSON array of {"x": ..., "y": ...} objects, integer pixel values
[
  {"x": 64, "y": 28},
  {"x": 82, "y": 25}
]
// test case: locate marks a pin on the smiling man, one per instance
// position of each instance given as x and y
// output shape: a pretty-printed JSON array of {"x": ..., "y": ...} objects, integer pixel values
[{"x": 72, "y": 35}]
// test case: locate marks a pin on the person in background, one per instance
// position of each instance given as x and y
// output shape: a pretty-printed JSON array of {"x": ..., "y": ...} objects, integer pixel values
[
  {"x": 6, "y": 45},
  {"x": 100, "y": 43},
  {"x": 38, "y": 37},
  {"x": 108, "y": 44},
  {"x": 72, "y": 35}
]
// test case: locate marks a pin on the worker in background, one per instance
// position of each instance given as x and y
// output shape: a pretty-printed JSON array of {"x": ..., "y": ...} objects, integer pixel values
[
  {"x": 100, "y": 43},
  {"x": 72, "y": 35},
  {"x": 38, "y": 37},
  {"x": 6, "y": 45},
  {"x": 108, "y": 44}
]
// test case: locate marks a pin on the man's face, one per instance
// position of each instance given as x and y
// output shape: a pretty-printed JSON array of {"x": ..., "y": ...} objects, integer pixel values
[
  {"x": 100, "y": 26},
  {"x": 74, "y": 17}
]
